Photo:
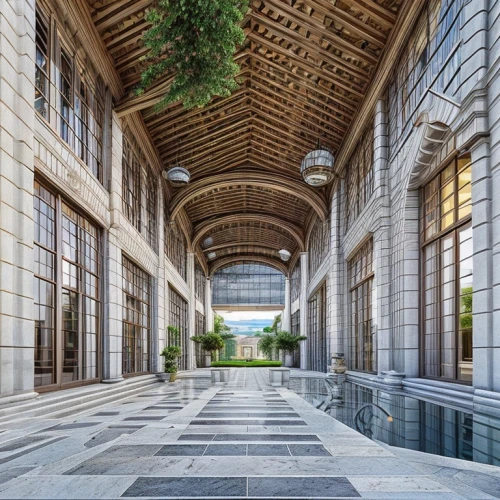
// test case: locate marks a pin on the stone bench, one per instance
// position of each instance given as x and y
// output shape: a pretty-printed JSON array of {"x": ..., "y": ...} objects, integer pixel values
[{"x": 279, "y": 377}]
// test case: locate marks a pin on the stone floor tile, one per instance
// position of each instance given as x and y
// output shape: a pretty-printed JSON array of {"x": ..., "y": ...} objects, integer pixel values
[
  {"x": 268, "y": 450},
  {"x": 202, "y": 487},
  {"x": 196, "y": 437},
  {"x": 301, "y": 487},
  {"x": 308, "y": 450},
  {"x": 181, "y": 450},
  {"x": 229, "y": 450},
  {"x": 65, "y": 487}
]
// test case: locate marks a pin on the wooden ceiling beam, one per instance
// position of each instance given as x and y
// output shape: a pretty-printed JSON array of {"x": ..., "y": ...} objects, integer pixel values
[
  {"x": 184, "y": 118},
  {"x": 189, "y": 144},
  {"x": 184, "y": 131},
  {"x": 226, "y": 261},
  {"x": 316, "y": 67},
  {"x": 291, "y": 36},
  {"x": 271, "y": 181},
  {"x": 321, "y": 31},
  {"x": 245, "y": 243},
  {"x": 273, "y": 221},
  {"x": 111, "y": 16},
  {"x": 374, "y": 11},
  {"x": 298, "y": 103},
  {"x": 190, "y": 141},
  {"x": 329, "y": 93},
  {"x": 351, "y": 23}
]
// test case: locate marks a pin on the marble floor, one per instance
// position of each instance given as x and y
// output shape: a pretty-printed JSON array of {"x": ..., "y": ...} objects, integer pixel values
[{"x": 244, "y": 439}]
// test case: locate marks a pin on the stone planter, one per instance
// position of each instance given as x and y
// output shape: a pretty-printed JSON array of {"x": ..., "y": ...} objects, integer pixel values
[
  {"x": 173, "y": 377},
  {"x": 220, "y": 375},
  {"x": 279, "y": 377},
  {"x": 289, "y": 360}
]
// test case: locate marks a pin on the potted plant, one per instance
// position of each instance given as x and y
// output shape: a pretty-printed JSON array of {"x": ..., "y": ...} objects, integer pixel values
[
  {"x": 210, "y": 341},
  {"x": 288, "y": 344},
  {"x": 171, "y": 353},
  {"x": 173, "y": 335}
]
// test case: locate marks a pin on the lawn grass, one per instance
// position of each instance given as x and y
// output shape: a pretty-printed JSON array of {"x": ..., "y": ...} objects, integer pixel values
[{"x": 258, "y": 363}]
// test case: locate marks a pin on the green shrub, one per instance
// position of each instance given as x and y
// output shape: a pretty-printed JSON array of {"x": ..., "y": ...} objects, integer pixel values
[
  {"x": 261, "y": 363},
  {"x": 210, "y": 341},
  {"x": 288, "y": 343}
]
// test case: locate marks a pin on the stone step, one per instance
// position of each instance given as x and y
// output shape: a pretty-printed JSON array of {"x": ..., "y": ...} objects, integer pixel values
[{"x": 66, "y": 402}]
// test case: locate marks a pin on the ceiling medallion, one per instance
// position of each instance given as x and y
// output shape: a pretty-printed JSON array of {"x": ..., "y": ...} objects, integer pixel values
[
  {"x": 211, "y": 255},
  {"x": 317, "y": 167}
]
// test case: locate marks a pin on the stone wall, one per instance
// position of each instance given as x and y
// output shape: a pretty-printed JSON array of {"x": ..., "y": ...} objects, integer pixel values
[
  {"x": 465, "y": 99},
  {"x": 31, "y": 147}
]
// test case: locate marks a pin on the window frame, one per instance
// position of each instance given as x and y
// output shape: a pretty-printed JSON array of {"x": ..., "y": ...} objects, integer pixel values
[
  {"x": 364, "y": 283},
  {"x": 80, "y": 290},
  {"x": 146, "y": 286},
  {"x": 66, "y": 127},
  {"x": 453, "y": 231}
]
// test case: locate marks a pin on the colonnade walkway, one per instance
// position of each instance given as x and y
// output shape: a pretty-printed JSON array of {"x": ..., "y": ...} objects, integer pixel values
[{"x": 190, "y": 439}]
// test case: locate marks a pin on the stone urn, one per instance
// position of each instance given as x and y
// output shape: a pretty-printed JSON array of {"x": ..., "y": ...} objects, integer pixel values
[{"x": 338, "y": 363}]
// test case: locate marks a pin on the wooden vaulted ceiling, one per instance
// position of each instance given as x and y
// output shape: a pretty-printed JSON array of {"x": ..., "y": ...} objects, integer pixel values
[{"x": 305, "y": 68}]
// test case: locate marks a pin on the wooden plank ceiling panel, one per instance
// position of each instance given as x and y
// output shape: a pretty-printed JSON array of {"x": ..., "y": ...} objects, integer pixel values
[{"x": 305, "y": 68}]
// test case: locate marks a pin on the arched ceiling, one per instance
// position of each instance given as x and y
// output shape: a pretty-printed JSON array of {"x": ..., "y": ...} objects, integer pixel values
[{"x": 306, "y": 66}]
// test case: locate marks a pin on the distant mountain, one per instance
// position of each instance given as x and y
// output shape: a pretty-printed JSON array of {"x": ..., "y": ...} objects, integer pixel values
[{"x": 249, "y": 326}]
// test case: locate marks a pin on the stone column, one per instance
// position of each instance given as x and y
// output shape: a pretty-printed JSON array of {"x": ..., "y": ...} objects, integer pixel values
[
  {"x": 334, "y": 290},
  {"x": 304, "y": 263},
  {"x": 285, "y": 315},
  {"x": 192, "y": 310},
  {"x": 17, "y": 95},
  {"x": 113, "y": 333},
  {"x": 209, "y": 313},
  {"x": 162, "y": 336},
  {"x": 382, "y": 331}
]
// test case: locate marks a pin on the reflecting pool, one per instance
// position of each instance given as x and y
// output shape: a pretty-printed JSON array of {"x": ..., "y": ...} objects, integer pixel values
[{"x": 408, "y": 422}]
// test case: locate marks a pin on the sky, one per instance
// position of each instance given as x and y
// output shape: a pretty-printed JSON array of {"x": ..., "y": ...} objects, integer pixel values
[{"x": 247, "y": 315}]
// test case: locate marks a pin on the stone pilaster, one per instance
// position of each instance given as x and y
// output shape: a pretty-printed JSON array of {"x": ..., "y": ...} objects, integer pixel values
[
  {"x": 17, "y": 95},
  {"x": 209, "y": 313},
  {"x": 113, "y": 333},
  {"x": 304, "y": 266},
  {"x": 191, "y": 309},
  {"x": 285, "y": 315}
]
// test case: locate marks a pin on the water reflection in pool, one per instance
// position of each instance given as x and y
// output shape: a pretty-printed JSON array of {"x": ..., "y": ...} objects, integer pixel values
[{"x": 399, "y": 420}]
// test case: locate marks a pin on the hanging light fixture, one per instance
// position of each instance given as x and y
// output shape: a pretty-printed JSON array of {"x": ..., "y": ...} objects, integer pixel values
[
  {"x": 284, "y": 255},
  {"x": 177, "y": 176},
  {"x": 208, "y": 242},
  {"x": 211, "y": 255},
  {"x": 317, "y": 167}
]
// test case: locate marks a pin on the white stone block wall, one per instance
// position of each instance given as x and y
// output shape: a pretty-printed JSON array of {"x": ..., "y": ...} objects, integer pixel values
[
  {"x": 392, "y": 214},
  {"x": 17, "y": 121},
  {"x": 30, "y": 146}
]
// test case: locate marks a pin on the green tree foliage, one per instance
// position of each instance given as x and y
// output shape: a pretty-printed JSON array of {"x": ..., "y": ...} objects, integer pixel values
[
  {"x": 194, "y": 41},
  {"x": 276, "y": 324},
  {"x": 266, "y": 345},
  {"x": 220, "y": 327},
  {"x": 466, "y": 309},
  {"x": 210, "y": 341},
  {"x": 286, "y": 342}
]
